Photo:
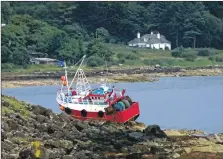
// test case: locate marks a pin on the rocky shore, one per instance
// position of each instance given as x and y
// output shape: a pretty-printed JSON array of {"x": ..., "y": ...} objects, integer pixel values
[
  {"x": 10, "y": 83},
  {"x": 95, "y": 73},
  {"x": 62, "y": 137},
  {"x": 117, "y": 75}
]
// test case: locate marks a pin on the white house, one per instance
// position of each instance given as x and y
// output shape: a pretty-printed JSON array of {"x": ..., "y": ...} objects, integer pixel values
[
  {"x": 48, "y": 61},
  {"x": 3, "y": 24},
  {"x": 153, "y": 41}
]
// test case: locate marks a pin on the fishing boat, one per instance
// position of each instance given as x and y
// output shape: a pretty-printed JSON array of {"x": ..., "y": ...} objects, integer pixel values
[{"x": 79, "y": 100}]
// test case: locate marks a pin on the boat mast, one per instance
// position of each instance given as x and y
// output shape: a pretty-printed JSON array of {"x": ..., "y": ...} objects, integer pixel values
[
  {"x": 109, "y": 84},
  {"x": 65, "y": 67},
  {"x": 77, "y": 70}
]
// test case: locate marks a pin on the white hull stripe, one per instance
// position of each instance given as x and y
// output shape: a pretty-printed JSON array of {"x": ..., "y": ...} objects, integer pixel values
[{"x": 87, "y": 107}]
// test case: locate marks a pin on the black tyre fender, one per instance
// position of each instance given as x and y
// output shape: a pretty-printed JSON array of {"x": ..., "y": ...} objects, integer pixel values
[
  {"x": 67, "y": 110},
  {"x": 100, "y": 114},
  {"x": 84, "y": 113}
]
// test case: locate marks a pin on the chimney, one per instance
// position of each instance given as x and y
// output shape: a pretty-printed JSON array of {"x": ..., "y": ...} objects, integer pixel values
[
  {"x": 138, "y": 35},
  {"x": 158, "y": 35},
  {"x": 151, "y": 33}
]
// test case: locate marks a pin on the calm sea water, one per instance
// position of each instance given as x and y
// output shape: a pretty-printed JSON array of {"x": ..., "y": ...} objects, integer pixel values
[{"x": 175, "y": 102}]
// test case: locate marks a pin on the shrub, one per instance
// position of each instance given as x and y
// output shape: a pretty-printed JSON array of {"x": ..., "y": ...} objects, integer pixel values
[
  {"x": 134, "y": 51},
  {"x": 219, "y": 58},
  {"x": 161, "y": 62},
  {"x": 115, "y": 62},
  {"x": 177, "y": 52},
  {"x": 211, "y": 58},
  {"x": 10, "y": 67},
  {"x": 189, "y": 56},
  {"x": 121, "y": 60},
  {"x": 132, "y": 56},
  {"x": 166, "y": 48},
  {"x": 130, "y": 62},
  {"x": 112, "y": 40},
  {"x": 95, "y": 61},
  {"x": 206, "y": 52},
  {"x": 216, "y": 58},
  {"x": 103, "y": 34},
  {"x": 6, "y": 66},
  {"x": 128, "y": 56},
  {"x": 99, "y": 49},
  {"x": 121, "y": 55}
]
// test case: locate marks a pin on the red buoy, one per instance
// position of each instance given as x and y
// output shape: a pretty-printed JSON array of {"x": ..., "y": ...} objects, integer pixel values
[{"x": 63, "y": 78}]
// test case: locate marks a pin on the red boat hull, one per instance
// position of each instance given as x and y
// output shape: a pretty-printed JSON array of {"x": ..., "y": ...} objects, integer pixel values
[{"x": 131, "y": 113}]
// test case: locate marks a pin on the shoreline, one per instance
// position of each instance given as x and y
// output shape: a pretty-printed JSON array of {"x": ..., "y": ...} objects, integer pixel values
[
  {"x": 92, "y": 80},
  {"x": 135, "y": 75}
]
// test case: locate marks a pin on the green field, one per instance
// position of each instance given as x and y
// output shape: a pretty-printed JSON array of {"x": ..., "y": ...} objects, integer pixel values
[
  {"x": 151, "y": 57},
  {"x": 132, "y": 57}
]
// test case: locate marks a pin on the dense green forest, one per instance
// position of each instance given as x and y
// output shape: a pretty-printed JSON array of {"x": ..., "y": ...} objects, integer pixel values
[{"x": 67, "y": 30}]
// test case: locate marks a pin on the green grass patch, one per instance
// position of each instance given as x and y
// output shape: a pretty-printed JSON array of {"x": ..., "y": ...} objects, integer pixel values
[
  {"x": 141, "y": 52},
  {"x": 40, "y": 68},
  {"x": 33, "y": 68},
  {"x": 178, "y": 62},
  {"x": 160, "y": 61},
  {"x": 133, "y": 63},
  {"x": 196, "y": 63},
  {"x": 6, "y": 110},
  {"x": 12, "y": 105}
]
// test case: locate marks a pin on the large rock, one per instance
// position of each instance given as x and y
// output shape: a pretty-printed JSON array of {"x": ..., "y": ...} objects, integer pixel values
[
  {"x": 41, "y": 118},
  {"x": 5, "y": 126},
  {"x": 155, "y": 131},
  {"x": 64, "y": 117},
  {"x": 39, "y": 110},
  {"x": 20, "y": 134},
  {"x": 13, "y": 125},
  {"x": 3, "y": 135},
  {"x": 204, "y": 145},
  {"x": 136, "y": 135},
  {"x": 174, "y": 133},
  {"x": 27, "y": 153},
  {"x": 81, "y": 126},
  {"x": 68, "y": 157}
]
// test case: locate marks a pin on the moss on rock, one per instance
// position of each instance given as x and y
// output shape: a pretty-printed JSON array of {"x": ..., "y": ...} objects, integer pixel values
[{"x": 10, "y": 105}]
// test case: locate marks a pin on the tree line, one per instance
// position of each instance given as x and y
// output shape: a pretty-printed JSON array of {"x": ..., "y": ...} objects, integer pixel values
[{"x": 61, "y": 29}]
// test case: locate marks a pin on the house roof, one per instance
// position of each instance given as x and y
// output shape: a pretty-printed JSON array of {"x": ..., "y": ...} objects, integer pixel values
[
  {"x": 136, "y": 40},
  {"x": 151, "y": 39},
  {"x": 45, "y": 59}
]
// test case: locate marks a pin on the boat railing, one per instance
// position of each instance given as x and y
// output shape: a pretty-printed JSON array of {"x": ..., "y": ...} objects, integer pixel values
[{"x": 66, "y": 97}]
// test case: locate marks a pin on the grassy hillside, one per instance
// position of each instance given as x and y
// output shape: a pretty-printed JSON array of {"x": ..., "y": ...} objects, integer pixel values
[
  {"x": 151, "y": 57},
  {"x": 135, "y": 57}
]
